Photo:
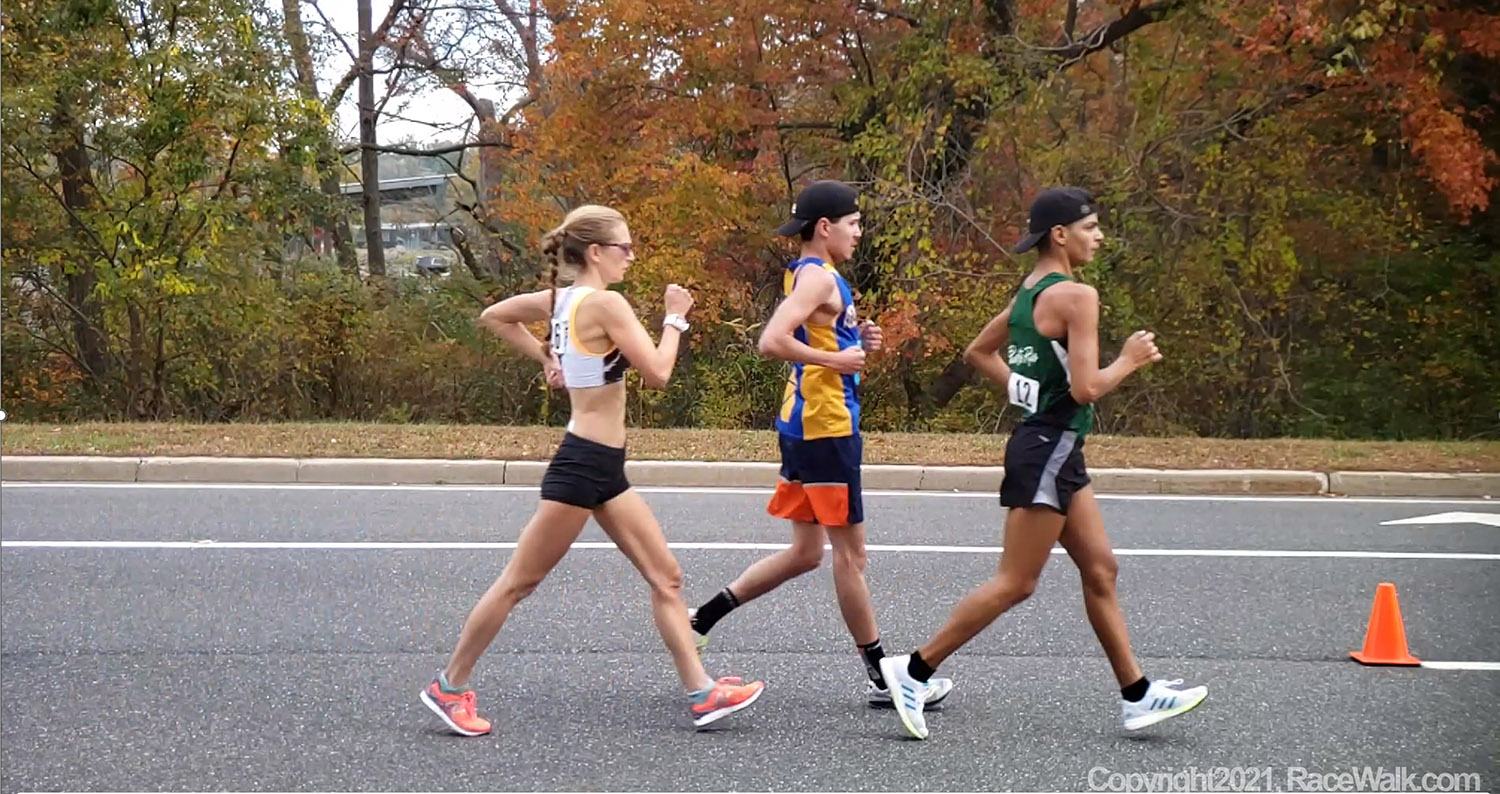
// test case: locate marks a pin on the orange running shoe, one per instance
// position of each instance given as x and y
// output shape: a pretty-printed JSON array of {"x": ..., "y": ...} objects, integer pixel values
[
  {"x": 728, "y": 695},
  {"x": 459, "y": 710}
]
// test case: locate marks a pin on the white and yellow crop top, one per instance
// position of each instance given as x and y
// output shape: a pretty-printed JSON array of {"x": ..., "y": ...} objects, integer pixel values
[{"x": 582, "y": 369}]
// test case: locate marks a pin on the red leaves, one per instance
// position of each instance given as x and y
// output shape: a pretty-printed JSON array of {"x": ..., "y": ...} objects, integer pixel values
[
  {"x": 1476, "y": 33},
  {"x": 1452, "y": 154},
  {"x": 1395, "y": 58}
]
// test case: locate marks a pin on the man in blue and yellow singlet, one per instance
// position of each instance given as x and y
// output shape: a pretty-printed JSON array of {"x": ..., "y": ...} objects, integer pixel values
[{"x": 817, "y": 330}]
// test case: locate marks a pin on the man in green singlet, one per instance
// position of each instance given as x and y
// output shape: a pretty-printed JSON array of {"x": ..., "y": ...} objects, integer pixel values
[{"x": 1049, "y": 335}]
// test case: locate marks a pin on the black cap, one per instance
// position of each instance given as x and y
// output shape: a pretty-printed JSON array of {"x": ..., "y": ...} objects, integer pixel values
[
  {"x": 826, "y": 198},
  {"x": 1056, "y": 206}
]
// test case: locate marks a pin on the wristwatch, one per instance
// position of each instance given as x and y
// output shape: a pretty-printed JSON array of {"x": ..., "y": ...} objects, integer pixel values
[{"x": 676, "y": 321}]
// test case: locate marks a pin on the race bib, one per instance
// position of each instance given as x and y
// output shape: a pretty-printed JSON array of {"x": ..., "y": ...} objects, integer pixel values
[
  {"x": 559, "y": 337},
  {"x": 1024, "y": 391}
]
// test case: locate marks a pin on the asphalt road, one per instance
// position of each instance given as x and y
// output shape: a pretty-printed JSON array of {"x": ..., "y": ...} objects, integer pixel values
[{"x": 290, "y": 669}]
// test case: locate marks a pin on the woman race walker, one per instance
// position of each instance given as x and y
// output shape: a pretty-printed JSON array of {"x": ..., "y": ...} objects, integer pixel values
[
  {"x": 594, "y": 336},
  {"x": 1050, "y": 335}
]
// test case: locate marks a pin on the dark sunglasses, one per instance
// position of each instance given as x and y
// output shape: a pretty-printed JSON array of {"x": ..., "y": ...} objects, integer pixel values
[{"x": 626, "y": 247}]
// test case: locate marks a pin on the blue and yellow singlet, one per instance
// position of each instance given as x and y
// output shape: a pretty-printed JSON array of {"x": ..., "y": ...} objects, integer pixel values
[{"x": 820, "y": 402}]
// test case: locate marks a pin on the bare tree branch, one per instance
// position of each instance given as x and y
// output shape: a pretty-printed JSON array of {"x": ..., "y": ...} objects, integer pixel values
[
  {"x": 1100, "y": 37},
  {"x": 1271, "y": 341},
  {"x": 421, "y": 54},
  {"x": 36, "y": 280},
  {"x": 342, "y": 86},
  {"x": 528, "y": 36},
  {"x": 336, "y": 34},
  {"x": 514, "y": 16},
  {"x": 21, "y": 160}
]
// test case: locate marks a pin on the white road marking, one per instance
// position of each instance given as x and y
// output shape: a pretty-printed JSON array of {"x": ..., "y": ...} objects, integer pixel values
[
  {"x": 1492, "y": 519},
  {"x": 212, "y": 545},
  {"x": 1491, "y": 666}
]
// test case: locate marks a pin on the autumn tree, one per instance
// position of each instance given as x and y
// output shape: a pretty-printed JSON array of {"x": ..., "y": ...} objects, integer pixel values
[
  {"x": 150, "y": 152},
  {"x": 1299, "y": 197},
  {"x": 1210, "y": 128}
]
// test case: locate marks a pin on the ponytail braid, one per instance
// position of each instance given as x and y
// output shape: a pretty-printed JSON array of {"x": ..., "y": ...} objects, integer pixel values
[{"x": 552, "y": 249}]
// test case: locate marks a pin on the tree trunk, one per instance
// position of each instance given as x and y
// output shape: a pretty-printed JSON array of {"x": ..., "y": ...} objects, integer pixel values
[
  {"x": 369, "y": 159},
  {"x": 335, "y": 219},
  {"x": 954, "y": 378},
  {"x": 461, "y": 245},
  {"x": 134, "y": 385},
  {"x": 159, "y": 368},
  {"x": 78, "y": 191}
]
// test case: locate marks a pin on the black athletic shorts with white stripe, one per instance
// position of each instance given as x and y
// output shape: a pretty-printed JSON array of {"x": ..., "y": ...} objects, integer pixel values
[{"x": 1043, "y": 468}]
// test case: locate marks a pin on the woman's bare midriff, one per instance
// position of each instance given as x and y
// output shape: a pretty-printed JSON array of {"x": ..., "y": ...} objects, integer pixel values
[{"x": 599, "y": 414}]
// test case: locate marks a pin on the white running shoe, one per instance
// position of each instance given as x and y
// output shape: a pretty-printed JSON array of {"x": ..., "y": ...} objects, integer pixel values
[
  {"x": 1161, "y": 702},
  {"x": 937, "y": 689},
  {"x": 908, "y": 694}
]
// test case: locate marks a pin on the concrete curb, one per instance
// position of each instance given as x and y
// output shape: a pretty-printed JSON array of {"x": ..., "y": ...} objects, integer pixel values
[
  {"x": 280, "y": 470},
  {"x": 68, "y": 468},
  {"x": 720, "y": 474},
  {"x": 1395, "y": 483},
  {"x": 379, "y": 471},
  {"x": 1211, "y": 481}
]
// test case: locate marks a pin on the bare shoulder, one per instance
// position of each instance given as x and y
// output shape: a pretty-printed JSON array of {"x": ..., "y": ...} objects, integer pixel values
[
  {"x": 606, "y": 303},
  {"x": 525, "y": 307},
  {"x": 1075, "y": 295},
  {"x": 541, "y": 296},
  {"x": 610, "y": 299},
  {"x": 810, "y": 277},
  {"x": 1077, "y": 290}
]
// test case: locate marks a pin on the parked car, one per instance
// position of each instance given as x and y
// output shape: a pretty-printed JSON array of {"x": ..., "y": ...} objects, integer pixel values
[{"x": 432, "y": 266}]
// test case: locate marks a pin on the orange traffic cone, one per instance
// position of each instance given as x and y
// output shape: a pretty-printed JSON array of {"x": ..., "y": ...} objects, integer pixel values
[{"x": 1385, "y": 639}]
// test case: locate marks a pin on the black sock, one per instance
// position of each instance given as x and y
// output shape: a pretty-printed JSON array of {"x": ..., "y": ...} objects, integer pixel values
[
  {"x": 918, "y": 667},
  {"x": 1136, "y": 691},
  {"x": 717, "y": 607},
  {"x": 872, "y": 654}
]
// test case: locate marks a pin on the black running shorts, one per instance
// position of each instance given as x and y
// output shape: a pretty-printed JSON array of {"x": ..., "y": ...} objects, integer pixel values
[
  {"x": 585, "y": 473},
  {"x": 1043, "y": 468}
]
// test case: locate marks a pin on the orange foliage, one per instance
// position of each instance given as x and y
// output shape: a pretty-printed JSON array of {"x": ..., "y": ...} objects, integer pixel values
[{"x": 669, "y": 112}]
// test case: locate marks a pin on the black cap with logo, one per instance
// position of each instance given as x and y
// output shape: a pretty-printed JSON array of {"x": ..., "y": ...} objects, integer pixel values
[
  {"x": 1056, "y": 206},
  {"x": 826, "y": 198}
]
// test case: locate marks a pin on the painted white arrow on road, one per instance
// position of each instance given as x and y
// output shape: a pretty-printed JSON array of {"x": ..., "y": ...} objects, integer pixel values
[{"x": 1493, "y": 519}]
